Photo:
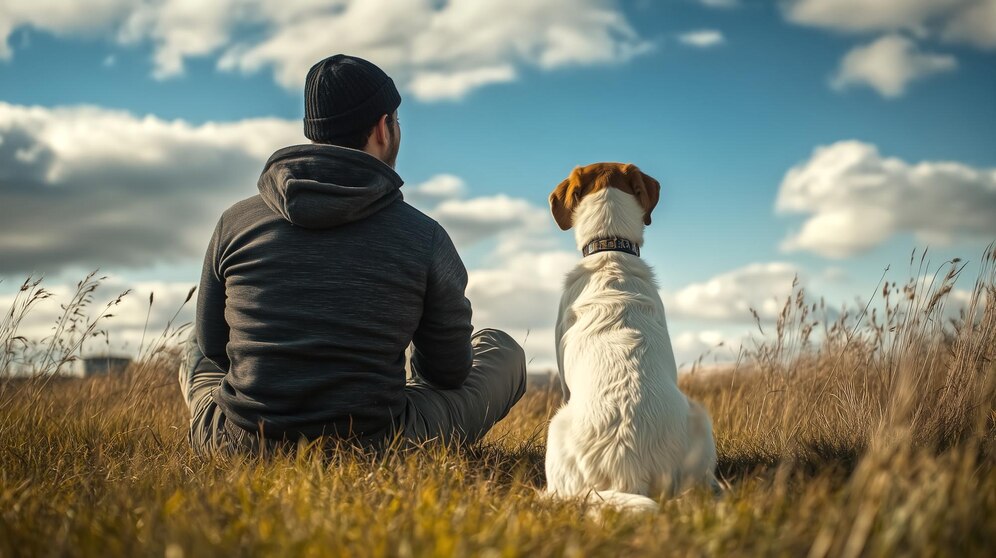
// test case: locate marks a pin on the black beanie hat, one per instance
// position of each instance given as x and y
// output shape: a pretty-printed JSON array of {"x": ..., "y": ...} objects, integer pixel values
[{"x": 343, "y": 94}]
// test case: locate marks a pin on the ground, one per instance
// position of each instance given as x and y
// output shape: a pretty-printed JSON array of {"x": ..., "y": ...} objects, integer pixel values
[{"x": 875, "y": 439}]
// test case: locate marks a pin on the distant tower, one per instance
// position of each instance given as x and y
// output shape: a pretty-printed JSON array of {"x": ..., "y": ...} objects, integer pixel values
[{"x": 103, "y": 365}]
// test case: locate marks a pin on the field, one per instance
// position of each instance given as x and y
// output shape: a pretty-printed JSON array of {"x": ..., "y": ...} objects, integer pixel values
[{"x": 869, "y": 432}]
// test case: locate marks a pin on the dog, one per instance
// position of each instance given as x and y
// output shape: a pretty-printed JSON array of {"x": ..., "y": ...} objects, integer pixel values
[{"x": 626, "y": 435}]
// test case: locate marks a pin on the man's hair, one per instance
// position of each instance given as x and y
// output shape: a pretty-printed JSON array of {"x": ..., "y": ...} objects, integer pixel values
[{"x": 358, "y": 140}]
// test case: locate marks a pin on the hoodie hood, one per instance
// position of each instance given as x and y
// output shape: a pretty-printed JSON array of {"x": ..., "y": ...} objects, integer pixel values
[{"x": 323, "y": 186}]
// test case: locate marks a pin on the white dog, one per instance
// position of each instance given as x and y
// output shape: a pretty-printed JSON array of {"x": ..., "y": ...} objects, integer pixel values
[{"x": 626, "y": 435}]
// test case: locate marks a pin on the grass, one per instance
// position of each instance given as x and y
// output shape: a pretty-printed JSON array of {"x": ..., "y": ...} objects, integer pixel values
[{"x": 839, "y": 434}]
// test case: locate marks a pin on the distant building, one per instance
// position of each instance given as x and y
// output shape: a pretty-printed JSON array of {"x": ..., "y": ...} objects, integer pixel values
[{"x": 103, "y": 365}]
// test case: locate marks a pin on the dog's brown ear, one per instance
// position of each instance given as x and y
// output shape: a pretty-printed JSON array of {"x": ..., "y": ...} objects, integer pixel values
[
  {"x": 560, "y": 205},
  {"x": 564, "y": 198},
  {"x": 646, "y": 189}
]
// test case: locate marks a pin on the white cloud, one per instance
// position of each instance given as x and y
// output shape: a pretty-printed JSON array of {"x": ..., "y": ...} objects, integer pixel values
[
  {"x": 703, "y": 38},
  {"x": 442, "y": 51},
  {"x": 60, "y": 18},
  {"x": 523, "y": 291},
  {"x": 888, "y": 65},
  {"x": 432, "y": 86},
  {"x": 975, "y": 24},
  {"x": 438, "y": 188},
  {"x": 856, "y": 200},
  {"x": 963, "y": 21},
  {"x": 470, "y": 221},
  {"x": 94, "y": 187},
  {"x": 182, "y": 29},
  {"x": 437, "y": 50},
  {"x": 730, "y": 296}
]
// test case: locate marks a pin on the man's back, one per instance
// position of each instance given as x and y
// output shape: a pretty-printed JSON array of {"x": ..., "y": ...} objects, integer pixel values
[{"x": 312, "y": 291}]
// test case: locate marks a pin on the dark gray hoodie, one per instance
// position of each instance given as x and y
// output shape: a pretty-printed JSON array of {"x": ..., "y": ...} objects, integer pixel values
[{"x": 312, "y": 290}]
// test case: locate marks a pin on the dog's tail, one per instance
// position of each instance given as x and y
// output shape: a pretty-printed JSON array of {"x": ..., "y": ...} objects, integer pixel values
[{"x": 623, "y": 501}]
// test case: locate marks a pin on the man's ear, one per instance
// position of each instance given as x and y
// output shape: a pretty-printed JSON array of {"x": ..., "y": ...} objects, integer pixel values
[
  {"x": 561, "y": 205},
  {"x": 646, "y": 189},
  {"x": 382, "y": 131}
]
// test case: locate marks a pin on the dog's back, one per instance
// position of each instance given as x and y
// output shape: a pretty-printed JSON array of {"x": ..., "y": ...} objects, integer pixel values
[{"x": 620, "y": 368}]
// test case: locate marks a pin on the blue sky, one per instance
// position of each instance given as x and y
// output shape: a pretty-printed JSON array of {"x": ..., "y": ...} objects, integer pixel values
[{"x": 717, "y": 99}]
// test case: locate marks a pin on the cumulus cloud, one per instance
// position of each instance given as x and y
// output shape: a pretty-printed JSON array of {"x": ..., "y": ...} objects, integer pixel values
[
  {"x": 514, "y": 222},
  {"x": 524, "y": 292},
  {"x": 962, "y": 21},
  {"x": 975, "y": 24},
  {"x": 437, "y": 50},
  {"x": 433, "y": 86},
  {"x": 444, "y": 50},
  {"x": 439, "y": 188},
  {"x": 74, "y": 195},
  {"x": 86, "y": 19},
  {"x": 856, "y": 199},
  {"x": 888, "y": 65},
  {"x": 181, "y": 29},
  {"x": 730, "y": 296},
  {"x": 472, "y": 220},
  {"x": 702, "y": 38}
]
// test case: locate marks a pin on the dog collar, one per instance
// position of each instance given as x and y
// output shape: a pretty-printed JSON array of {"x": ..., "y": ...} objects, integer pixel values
[{"x": 611, "y": 245}]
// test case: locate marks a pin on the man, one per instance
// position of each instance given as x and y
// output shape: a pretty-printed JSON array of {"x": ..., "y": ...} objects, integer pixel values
[{"x": 312, "y": 291}]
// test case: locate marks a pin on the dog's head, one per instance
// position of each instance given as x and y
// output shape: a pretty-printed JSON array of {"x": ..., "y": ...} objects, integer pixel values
[{"x": 598, "y": 176}]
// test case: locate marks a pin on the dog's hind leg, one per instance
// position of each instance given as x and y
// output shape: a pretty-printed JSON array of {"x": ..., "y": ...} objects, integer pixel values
[
  {"x": 700, "y": 460},
  {"x": 563, "y": 477}
]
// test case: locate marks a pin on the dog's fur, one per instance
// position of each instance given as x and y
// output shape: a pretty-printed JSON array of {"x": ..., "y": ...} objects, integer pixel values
[{"x": 626, "y": 435}]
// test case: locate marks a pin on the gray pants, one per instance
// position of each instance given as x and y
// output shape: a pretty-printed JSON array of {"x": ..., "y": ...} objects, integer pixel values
[{"x": 497, "y": 380}]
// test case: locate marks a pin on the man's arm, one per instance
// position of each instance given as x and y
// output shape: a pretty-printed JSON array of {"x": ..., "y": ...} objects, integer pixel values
[
  {"x": 212, "y": 329},
  {"x": 443, "y": 355}
]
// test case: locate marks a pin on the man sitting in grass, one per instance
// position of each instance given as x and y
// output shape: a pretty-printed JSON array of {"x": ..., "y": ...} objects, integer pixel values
[{"x": 312, "y": 291}]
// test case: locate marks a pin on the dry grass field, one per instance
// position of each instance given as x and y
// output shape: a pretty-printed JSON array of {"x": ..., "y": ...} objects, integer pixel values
[{"x": 863, "y": 433}]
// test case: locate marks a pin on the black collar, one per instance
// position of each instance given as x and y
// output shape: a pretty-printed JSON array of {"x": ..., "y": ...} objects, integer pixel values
[{"x": 611, "y": 245}]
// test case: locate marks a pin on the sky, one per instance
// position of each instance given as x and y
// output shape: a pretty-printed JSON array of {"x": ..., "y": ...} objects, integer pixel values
[{"x": 823, "y": 140}]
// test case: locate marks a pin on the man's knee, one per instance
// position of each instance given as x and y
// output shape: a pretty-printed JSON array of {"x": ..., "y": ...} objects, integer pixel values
[
  {"x": 198, "y": 375},
  {"x": 512, "y": 355},
  {"x": 504, "y": 342},
  {"x": 498, "y": 338}
]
